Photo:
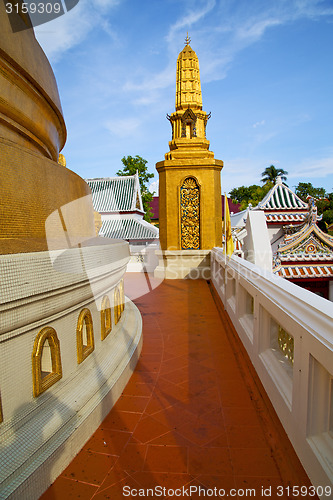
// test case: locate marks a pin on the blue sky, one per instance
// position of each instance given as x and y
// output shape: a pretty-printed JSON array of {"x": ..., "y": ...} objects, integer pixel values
[{"x": 266, "y": 76}]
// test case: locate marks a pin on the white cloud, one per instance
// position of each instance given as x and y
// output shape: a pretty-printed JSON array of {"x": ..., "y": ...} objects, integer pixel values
[
  {"x": 153, "y": 187},
  {"x": 60, "y": 35},
  {"x": 314, "y": 167},
  {"x": 191, "y": 17},
  {"x": 123, "y": 127},
  {"x": 258, "y": 124}
]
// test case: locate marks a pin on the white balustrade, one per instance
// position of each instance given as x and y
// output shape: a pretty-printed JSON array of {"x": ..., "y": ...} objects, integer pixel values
[{"x": 288, "y": 334}]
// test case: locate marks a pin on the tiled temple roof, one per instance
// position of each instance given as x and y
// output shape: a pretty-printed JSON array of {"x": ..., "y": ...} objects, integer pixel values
[
  {"x": 128, "y": 229},
  {"x": 305, "y": 272},
  {"x": 307, "y": 252},
  {"x": 280, "y": 197},
  {"x": 286, "y": 217},
  {"x": 116, "y": 194}
]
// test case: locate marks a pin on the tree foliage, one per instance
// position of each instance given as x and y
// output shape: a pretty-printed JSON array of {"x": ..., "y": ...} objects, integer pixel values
[
  {"x": 305, "y": 189},
  {"x": 138, "y": 164},
  {"x": 249, "y": 194},
  {"x": 270, "y": 174},
  {"x": 325, "y": 207}
]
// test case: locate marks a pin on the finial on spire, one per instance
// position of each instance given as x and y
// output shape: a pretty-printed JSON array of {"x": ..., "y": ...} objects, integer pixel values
[{"x": 187, "y": 40}]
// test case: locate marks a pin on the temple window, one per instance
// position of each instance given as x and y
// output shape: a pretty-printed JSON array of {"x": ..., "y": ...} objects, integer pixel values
[
  {"x": 106, "y": 322},
  {"x": 84, "y": 335},
  {"x": 46, "y": 360}
]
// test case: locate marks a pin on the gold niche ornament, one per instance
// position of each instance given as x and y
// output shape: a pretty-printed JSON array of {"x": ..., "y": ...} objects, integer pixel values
[
  {"x": 190, "y": 214},
  {"x": 106, "y": 322},
  {"x": 41, "y": 381},
  {"x": 84, "y": 349}
]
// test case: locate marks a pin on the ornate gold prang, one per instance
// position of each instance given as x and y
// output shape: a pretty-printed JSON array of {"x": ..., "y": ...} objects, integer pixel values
[
  {"x": 83, "y": 351},
  {"x": 286, "y": 344},
  {"x": 42, "y": 380},
  {"x": 190, "y": 214},
  {"x": 106, "y": 322}
]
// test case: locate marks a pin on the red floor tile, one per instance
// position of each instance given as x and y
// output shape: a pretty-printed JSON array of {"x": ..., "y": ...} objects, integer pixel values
[
  {"x": 133, "y": 457},
  {"x": 89, "y": 467},
  {"x": 167, "y": 459},
  {"x": 67, "y": 488},
  {"x": 108, "y": 441},
  {"x": 121, "y": 420},
  {"x": 149, "y": 428},
  {"x": 213, "y": 461},
  {"x": 191, "y": 414},
  {"x": 167, "y": 480},
  {"x": 253, "y": 462},
  {"x": 132, "y": 403}
]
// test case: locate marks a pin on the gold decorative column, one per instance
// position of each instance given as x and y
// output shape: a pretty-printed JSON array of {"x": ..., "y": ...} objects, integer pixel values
[{"x": 189, "y": 177}]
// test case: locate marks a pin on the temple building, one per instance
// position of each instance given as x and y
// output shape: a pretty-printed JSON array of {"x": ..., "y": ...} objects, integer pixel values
[
  {"x": 189, "y": 179},
  {"x": 118, "y": 200},
  {"x": 301, "y": 251}
]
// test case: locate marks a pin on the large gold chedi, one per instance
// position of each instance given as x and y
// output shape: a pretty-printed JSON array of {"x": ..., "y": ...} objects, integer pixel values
[
  {"x": 32, "y": 133},
  {"x": 189, "y": 177}
]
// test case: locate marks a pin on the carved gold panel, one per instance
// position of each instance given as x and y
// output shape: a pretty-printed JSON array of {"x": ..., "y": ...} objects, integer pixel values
[
  {"x": 190, "y": 214},
  {"x": 42, "y": 380},
  {"x": 83, "y": 350}
]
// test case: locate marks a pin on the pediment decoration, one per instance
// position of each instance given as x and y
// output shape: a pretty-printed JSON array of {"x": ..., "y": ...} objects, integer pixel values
[
  {"x": 309, "y": 246},
  {"x": 189, "y": 118}
]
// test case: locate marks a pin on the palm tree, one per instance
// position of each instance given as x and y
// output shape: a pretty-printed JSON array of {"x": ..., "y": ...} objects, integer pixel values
[{"x": 270, "y": 174}]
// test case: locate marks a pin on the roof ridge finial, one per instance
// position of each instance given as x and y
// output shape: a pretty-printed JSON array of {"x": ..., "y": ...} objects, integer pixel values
[{"x": 187, "y": 40}]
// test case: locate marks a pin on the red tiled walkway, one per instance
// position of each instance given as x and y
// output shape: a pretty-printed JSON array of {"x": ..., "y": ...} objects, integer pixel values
[{"x": 193, "y": 413}]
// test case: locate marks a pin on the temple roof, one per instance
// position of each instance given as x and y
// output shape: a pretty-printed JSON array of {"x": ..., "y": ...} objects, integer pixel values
[
  {"x": 116, "y": 194},
  {"x": 280, "y": 197},
  {"x": 128, "y": 229},
  {"x": 306, "y": 251},
  {"x": 305, "y": 271}
]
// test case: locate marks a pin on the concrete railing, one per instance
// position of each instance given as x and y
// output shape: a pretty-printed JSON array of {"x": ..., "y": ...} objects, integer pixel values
[
  {"x": 288, "y": 334},
  {"x": 143, "y": 258}
]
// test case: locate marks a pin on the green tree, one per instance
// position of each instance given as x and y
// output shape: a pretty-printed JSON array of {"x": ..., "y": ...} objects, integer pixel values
[
  {"x": 249, "y": 194},
  {"x": 305, "y": 189},
  {"x": 131, "y": 165},
  {"x": 325, "y": 207},
  {"x": 270, "y": 174}
]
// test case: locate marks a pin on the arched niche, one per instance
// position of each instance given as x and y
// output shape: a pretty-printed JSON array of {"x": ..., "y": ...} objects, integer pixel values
[
  {"x": 84, "y": 335},
  {"x": 46, "y": 360},
  {"x": 106, "y": 321}
]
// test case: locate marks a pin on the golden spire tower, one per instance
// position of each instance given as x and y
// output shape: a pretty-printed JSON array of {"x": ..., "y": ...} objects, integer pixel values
[{"x": 189, "y": 177}]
